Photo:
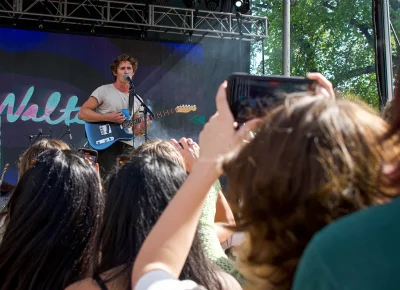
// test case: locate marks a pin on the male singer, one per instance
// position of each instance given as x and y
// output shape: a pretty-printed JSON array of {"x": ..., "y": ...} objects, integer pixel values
[{"x": 106, "y": 103}]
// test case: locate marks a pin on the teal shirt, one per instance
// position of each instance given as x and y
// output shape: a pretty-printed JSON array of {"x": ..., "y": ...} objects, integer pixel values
[{"x": 358, "y": 252}]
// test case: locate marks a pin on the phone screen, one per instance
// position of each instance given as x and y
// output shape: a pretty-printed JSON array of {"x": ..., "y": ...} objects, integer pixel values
[
  {"x": 252, "y": 96},
  {"x": 122, "y": 159},
  {"x": 89, "y": 155}
]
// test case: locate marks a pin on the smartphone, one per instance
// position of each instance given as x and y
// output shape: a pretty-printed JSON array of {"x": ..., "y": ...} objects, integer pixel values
[
  {"x": 89, "y": 154},
  {"x": 122, "y": 159},
  {"x": 252, "y": 96}
]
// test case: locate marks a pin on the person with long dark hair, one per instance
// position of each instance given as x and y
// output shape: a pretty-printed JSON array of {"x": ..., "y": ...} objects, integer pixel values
[
  {"x": 137, "y": 194},
  {"x": 54, "y": 218}
]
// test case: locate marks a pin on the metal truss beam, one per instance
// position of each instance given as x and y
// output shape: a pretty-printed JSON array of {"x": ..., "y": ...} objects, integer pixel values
[{"x": 136, "y": 16}]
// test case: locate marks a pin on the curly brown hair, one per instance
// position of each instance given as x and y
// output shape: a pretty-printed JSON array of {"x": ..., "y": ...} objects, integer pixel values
[
  {"x": 123, "y": 57},
  {"x": 313, "y": 161},
  {"x": 387, "y": 113}
]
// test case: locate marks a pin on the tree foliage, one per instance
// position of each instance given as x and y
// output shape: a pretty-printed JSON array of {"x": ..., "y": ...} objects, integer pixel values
[{"x": 334, "y": 37}]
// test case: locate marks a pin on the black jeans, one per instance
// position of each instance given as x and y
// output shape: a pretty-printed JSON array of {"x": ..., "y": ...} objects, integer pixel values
[{"x": 107, "y": 157}]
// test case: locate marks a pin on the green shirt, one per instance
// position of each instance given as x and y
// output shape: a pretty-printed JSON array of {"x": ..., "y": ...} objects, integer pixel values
[{"x": 360, "y": 252}]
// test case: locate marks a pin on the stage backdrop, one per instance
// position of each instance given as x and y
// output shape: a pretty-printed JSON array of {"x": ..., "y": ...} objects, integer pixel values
[{"x": 46, "y": 77}]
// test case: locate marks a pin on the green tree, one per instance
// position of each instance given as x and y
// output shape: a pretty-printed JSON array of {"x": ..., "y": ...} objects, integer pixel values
[{"x": 334, "y": 37}]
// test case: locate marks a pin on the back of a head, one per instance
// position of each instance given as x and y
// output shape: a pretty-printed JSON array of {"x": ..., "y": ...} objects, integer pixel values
[
  {"x": 137, "y": 194},
  {"x": 395, "y": 129},
  {"x": 160, "y": 148},
  {"x": 387, "y": 113},
  {"x": 313, "y": 161},
  {"x": 54, "y": 217},
  {"x": 395, "y": 123},
  {"x": 35, "y": 149}
]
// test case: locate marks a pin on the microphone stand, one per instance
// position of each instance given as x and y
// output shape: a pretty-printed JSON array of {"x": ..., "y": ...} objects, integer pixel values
[
  {"x": 66, "y": 132},
  {"x": 146, "y": 109},
  {"x": 37, "y": 137}
]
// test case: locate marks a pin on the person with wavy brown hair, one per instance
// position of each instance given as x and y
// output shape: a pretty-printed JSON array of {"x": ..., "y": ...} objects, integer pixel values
[
  {"x": 313, "y": 161},
  {"x": 360, "y": 251}
]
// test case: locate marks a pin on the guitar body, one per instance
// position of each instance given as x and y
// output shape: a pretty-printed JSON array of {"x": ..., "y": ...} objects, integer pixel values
[{"x": 102, "y": 135}]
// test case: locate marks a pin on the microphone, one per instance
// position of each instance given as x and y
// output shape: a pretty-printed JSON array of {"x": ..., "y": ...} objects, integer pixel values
[
  {"x": 128, "y": 78},
  {"x": 69, "y": 132},
  {"x": 40, "y": 132}
]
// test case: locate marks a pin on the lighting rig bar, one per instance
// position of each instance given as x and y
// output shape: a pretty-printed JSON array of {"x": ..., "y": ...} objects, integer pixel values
[{"x": 135, "y": 16}]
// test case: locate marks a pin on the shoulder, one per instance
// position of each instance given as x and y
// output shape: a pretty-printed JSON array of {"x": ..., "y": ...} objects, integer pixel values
[
  {"x": 86, "y": 284},
  {"x": 103, "y": 89},
  {"x": 106, "y": 87},
  {"x": 348, "y": 244},
  {"x": 359, "y": 225}
]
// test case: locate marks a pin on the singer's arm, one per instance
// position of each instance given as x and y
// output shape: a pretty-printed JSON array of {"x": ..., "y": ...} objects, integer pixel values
[{"x": 87, "y": 113}]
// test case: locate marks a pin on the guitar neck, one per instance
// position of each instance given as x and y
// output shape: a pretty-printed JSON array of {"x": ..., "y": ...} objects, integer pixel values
[{"x": 136, "y": 121}]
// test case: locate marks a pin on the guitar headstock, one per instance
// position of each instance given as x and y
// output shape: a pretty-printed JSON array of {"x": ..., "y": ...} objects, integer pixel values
[{"x": 186, "y": 108}]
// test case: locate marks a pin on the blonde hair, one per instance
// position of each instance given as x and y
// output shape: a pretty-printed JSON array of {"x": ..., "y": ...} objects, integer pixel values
[
  {"x": 29, "y": 156},
  {"x": 161, "y": 148}
]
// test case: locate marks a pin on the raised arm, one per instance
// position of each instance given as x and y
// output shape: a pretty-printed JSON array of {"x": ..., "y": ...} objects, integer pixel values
[
  {"x": 168, "y": 244},
  {"x": 88, "y": 114}
]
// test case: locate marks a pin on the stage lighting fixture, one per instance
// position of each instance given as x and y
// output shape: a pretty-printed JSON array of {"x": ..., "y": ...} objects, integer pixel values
[
  {"x": 212, "y": 4},
  {"x": 192, "y": 3},
  {"x": 242, "y": 6},
  {"x": 238, "y": 3}
]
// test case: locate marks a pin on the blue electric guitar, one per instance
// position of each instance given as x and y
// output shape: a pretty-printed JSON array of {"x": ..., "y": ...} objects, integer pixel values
[{"x": 102, "y": 135}]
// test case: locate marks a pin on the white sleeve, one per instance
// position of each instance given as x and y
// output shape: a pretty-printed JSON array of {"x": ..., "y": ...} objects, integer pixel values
[
  {"x": 235, "y": 240},
  {"x": 98, "y": 94},
  {"x": 161, "y": 280}
]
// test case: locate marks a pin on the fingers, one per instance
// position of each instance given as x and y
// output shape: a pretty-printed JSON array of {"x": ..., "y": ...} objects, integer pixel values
[
  {"x": 175, "y": 143},
  {"x": 323, "y": 82},
  {"x": 222, "y": 103},
  {"x": 184, "y": 143},
  {"x": 245, "y": 130}
]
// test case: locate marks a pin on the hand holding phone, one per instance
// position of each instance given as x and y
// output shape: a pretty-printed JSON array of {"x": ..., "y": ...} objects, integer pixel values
[
  {"x": 251, "y": 96},
  {"x": 89, "y": 154}
]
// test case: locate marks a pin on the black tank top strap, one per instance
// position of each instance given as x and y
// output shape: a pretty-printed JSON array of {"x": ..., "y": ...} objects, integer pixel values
[{"x": 101, "y": 283}]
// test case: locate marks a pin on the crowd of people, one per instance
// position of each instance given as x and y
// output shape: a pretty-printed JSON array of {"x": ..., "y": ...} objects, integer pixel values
[{"x": 310, "y": 203}]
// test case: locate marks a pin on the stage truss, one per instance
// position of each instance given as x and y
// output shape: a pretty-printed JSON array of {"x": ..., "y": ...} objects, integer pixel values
[{"x": 128, "y": 16}]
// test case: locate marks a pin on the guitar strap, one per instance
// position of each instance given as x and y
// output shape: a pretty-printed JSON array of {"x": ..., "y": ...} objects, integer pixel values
[
  {"x": 131, "y": 102},
  {"x": 131, "y": 108}
]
